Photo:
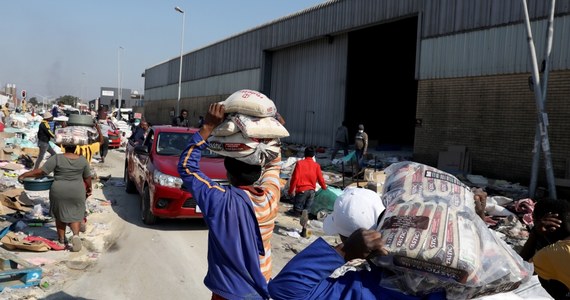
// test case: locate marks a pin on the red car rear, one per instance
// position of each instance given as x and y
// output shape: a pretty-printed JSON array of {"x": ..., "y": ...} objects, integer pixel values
[{"x": 114, "y": 136}]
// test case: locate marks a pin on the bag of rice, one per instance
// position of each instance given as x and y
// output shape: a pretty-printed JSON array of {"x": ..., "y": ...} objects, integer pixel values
[
  {"x": 435, "y": 240},
  {"x": 250, "y": 102},
  {"x": 264, "y": 127},
  {"x": 228, "y": 127}
]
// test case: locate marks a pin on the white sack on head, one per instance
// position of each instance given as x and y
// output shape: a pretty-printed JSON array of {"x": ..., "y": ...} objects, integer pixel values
[
  {"x": 228, "y": 127},
  {"x": 251, "y": 103},
  {"x": 264, "y": 153},
  {"x": 259, "y": 127},
  {"x": 436, "y": 240},
  {"x": 235, "y": 145}
]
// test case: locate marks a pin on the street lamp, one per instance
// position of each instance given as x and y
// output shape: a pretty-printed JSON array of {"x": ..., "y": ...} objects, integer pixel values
[
  {"x": 181, "y": 50},
  {"x": 119, "y": 81}
]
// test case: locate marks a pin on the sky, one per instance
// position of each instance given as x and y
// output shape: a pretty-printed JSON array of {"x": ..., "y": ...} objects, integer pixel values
[{"x": 52, "y": 48}]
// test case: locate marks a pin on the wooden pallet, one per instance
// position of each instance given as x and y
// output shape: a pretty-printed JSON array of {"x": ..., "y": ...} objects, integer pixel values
[{"x": 16, "y": 272}]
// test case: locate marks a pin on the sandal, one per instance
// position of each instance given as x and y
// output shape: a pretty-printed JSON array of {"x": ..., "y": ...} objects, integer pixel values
[{"x": 76, "y": 243}]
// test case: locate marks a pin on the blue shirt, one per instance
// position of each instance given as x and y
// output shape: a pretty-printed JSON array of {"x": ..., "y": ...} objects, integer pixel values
[
  {"x": 306, "y": 276},
  {"x": 234, "y": 239}
]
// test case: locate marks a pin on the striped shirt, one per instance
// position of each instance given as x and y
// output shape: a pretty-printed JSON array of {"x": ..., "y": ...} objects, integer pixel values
[{"x": 240, "y": 222}]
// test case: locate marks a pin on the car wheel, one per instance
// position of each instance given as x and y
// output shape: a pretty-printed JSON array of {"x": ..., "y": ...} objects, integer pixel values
[
  {"x": 130, "y": 187},
  {"x": 147, "y": 217}
]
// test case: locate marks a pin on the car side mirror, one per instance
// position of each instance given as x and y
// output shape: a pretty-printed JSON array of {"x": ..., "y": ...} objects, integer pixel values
[{"x": 141, "y": 149}]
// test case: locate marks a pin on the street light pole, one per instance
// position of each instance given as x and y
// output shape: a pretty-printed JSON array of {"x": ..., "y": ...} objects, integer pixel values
[
  {"x": 178, "y": 9},
  {"x": 119, "y": 92}
]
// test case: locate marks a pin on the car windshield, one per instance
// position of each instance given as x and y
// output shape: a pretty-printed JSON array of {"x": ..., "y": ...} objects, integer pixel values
[{"x": 173, "y": 143}]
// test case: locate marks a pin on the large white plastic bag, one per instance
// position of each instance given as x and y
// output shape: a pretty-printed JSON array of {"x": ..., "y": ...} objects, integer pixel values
[
  {"x": 436, "y": 240},
  {"x": 253, "y": 151}
]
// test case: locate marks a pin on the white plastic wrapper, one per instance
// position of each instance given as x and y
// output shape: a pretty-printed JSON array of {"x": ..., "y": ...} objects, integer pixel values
[
  {"x": 253, "y": 151},
  {"x": 76, "y": 135},
  {"x": 435, "y": 240}
]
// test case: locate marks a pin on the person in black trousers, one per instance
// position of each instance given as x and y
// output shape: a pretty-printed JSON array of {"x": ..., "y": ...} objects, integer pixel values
[{"x": 44, "y": 136}]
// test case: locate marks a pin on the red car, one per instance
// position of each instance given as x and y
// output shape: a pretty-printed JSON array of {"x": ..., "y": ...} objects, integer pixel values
[
  {"x": 151, "y": 171},
  {"x": 114, "y": 136}
]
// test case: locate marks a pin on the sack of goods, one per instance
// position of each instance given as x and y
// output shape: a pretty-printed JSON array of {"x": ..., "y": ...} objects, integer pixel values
[
  {"x": 76, "y": 135},
  {"x": 435, "y": 240},
  {"x": 250, "y": 132}
]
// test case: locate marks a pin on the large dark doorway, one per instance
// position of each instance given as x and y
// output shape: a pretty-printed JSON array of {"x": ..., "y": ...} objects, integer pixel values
[{"x": 381, "y": 84}]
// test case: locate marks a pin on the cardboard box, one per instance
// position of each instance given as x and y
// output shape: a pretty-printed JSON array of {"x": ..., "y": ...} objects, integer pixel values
[
  {"x": 33, "y": 152},
  {"x": 377, "y": 176},
  {"x": 7, "y": 135}
]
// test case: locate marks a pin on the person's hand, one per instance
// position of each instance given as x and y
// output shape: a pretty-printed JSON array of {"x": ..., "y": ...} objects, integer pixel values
[
  {"x": 215, "y": 115},
  {"x": 548, "y": 223},
  {"x": 362, "y": 244},
  {"x": 480, "y": 198}
]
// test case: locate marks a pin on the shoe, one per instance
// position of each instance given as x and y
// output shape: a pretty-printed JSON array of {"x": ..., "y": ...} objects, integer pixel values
[
  {"x": 76, "y": 243},
  {"x": 304, "y": 218}
]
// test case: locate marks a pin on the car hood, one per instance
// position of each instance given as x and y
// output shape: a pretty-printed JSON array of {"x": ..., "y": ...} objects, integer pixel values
[{"x": 212, "y": 167}]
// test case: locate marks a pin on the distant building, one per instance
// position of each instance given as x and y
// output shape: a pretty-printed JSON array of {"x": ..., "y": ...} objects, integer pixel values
[{"x": 109, "y": 98}]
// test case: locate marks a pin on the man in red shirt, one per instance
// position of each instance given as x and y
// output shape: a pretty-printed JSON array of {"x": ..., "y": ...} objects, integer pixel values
[{"x": 304, "y": 182}]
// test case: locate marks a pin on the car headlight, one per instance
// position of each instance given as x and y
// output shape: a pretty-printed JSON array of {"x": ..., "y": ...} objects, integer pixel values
[{"x": 167, "y": 180}]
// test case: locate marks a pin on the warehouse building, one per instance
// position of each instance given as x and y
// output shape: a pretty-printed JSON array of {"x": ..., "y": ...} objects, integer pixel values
[{"x": 418, "y": 74}]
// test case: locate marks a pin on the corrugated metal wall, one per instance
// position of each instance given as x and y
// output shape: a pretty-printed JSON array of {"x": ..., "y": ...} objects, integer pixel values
[
  {"x": 448, "y": 16},
  {"x": 498, "y": 50},
  {"x": 219, "y": 85},
  {"x": 308, "y": 85},
  {"x": 244, "y": 51}
]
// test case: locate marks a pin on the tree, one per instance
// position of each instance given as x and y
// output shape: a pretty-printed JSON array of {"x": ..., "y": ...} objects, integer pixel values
[
  {"x": 67, "y": 99},
  {"x": 33, "y": 101}
]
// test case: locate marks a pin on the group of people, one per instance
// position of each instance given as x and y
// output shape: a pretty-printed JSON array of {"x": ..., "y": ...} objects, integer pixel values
[
  {"x": 342, "y": 142},
  {"x": 241, "y": 218},
  {"x": 183, "y": 121}
]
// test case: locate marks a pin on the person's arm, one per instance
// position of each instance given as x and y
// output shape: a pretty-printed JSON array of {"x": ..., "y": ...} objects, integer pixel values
[
  {"x": 33, "y": 173},
  {"x": 320, "y": 177},
  {"x": 44, "y": 127},
  {"x": 279, "y": 118},
  {"x": 303, "y": 273},
  {"x": 101, "y": 140},
  {"x": 202, "y": 187},
  {"x": 365, "y": 138},
  {"x": 548, "y": 223},
  {"x": 293, "y": 181}
]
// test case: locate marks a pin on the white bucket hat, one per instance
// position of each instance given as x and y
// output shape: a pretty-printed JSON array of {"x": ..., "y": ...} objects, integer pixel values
[{"x": 355, "y": 208}]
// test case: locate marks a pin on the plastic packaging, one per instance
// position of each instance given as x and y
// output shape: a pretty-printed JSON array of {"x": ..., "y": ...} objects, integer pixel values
[{"x": 435, "y": 240}]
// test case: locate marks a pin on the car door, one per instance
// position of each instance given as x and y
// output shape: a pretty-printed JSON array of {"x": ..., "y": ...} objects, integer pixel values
[{"x": 142, "y": 160}]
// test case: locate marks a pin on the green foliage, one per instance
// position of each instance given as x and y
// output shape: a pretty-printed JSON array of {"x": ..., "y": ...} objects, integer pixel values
[
  {"x": 33, "y": 101},
  {"x": 67, "y": 99}
]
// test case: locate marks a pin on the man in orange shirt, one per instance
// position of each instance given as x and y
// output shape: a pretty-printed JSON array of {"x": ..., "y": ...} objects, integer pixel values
[{"x": 303, "y": 183}]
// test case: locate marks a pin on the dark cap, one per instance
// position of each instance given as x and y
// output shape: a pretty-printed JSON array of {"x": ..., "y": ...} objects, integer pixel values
[
  {"x": 360, "y": 127},
  {"x": 309, "y": 152}
]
